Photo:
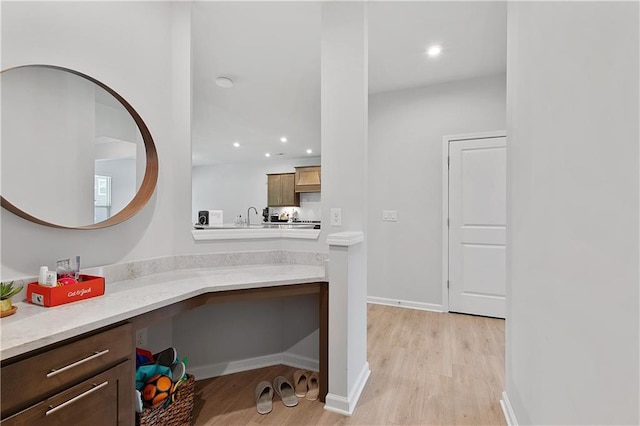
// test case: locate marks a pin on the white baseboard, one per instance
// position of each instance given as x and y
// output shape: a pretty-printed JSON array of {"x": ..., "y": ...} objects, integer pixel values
[
  {"x": 507, "y": 410},
  {"x": 224, "y": 368},
  {"x": 358, "y": 387},
  {"x": 405, "y": 304},
  {"x": 298, "y": 361},
  {"x": 337, "y": 404},
  {"x": 346, "y": 405}
]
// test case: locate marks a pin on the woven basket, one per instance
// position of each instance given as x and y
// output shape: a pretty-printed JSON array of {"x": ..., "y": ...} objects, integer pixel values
[{"x": 178, "y": 413}]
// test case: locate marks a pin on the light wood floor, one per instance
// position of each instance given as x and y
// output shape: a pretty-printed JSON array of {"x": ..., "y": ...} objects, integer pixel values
[{"x": 426, "y": 368}]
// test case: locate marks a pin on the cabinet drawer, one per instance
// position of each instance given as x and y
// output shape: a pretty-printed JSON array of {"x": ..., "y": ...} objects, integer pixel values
[
  {"x": 39, "y": 376},
  {"x": 100, "y": 400}
]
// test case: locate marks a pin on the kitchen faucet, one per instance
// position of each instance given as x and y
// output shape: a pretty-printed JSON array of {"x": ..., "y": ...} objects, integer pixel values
[{"x": 249, "y": 220}]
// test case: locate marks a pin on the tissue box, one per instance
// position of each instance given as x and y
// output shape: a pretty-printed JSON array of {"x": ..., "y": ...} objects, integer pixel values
[
  {"x": 215, "y": 217},
  {"x": 86, "y": 287}
]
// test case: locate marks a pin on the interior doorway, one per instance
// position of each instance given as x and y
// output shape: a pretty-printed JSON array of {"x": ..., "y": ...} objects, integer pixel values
[{"x": 474, "y": 235}]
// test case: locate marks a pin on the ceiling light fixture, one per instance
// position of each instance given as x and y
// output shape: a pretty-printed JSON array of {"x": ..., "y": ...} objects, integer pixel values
[
  {"x": 434, "y": 50},
  {"x": 236, "y": 144},
  {"x": 309, "y": 151},
  {"x": 267, "y": 155},
  {"x": 283, "y": 139},
  {"x": 224, "y": 82}
]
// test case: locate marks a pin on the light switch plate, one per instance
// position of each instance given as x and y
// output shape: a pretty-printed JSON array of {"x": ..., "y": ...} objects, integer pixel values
[
  {"x": 336, "y": 217},
  {"x": 390, "y": 215}
]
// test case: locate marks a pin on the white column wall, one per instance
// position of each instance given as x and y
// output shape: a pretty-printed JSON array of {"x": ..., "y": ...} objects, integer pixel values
[
  {"x": 573, "y": 332},
  {"x": 344, "y": 93},
  {"x": 348, "y": 366},
  {"x": 344, "y": 109}
]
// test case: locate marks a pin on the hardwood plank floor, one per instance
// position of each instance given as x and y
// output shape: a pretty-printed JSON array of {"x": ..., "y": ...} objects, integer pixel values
[{"x": 427, "y": 368}]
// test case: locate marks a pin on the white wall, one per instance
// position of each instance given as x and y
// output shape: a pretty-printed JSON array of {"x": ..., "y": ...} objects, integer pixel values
[
  {"x": 573, "y": 298},
  {"x": 123, "y": 180},
  {"x": 233, "y": 188},
  {"x": 142, "y": 51},
  {"x": 128, "y": 47},
  {"x": 213, "y": 336},
  {"x": 41, "y": 173},
  {"x": 344, "y": 83},
  {"x": 405, "y": 158}
]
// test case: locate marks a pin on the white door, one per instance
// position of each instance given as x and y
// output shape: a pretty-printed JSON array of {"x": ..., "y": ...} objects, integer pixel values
[{"x": 477, "y": 226}]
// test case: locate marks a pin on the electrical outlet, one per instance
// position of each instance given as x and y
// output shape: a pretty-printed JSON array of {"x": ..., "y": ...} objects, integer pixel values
[
  {"x": 141, "y": 338},
  {"x": 390, "y": 215},
  {"x": 336, "y": 217}
]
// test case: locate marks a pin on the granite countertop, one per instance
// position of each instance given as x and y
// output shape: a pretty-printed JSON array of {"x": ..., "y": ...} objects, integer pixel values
[{"x": 33, "y": 327}]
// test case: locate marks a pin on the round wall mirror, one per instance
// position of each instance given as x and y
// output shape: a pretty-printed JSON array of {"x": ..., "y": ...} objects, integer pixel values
[{"x": 75, "y": 154}]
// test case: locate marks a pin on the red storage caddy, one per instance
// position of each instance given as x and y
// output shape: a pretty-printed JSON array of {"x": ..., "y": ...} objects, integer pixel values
[{"x": 86, "y": 287}]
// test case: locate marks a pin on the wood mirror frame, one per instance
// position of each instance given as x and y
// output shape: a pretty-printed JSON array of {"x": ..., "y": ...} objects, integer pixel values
[{"x": 148, "y": 185}]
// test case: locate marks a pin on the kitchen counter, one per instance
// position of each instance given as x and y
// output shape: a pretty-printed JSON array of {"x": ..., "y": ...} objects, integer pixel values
[
  {"x": 262, "y": 225},
  {"x": 295, "y": 230},
  {"x": 33, "y": 327}
]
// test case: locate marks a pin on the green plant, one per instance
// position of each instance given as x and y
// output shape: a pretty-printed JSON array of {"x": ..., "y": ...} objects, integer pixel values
[{"x": 7, "y": 291}]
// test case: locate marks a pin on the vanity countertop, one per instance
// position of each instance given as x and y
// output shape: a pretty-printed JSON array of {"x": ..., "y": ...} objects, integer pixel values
[{"x": 33, "y": 327}]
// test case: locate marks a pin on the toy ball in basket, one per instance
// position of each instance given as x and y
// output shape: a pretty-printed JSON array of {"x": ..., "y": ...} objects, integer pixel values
[
  {"x": 157, "y": 389},
  {"x": 165, "y": 390}
]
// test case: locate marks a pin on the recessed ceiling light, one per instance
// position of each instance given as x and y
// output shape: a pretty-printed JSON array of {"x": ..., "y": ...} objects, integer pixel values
[
  {"x": 224, "y": 82},
  {"x": 434, "y": 50},
  {"x": 309, "y": 151},
  {"x": 283, "y": 139},
  {"x": 236, "y": 144},
  {"x": 267, "y": 155}
]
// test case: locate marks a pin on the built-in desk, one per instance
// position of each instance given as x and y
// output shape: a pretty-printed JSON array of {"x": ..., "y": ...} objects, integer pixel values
[
  {"x": 143, "y": 301},
  {"x": 318, "y": 288}
]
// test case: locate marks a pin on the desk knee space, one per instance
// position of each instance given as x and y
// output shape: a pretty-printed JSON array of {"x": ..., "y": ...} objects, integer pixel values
[{"x": 321, "y": 289}]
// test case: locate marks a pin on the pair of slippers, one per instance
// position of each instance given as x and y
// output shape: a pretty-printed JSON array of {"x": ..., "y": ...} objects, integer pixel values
[
  {"x": 264, "y": 394},
  {"x": 306, "y": 384}
]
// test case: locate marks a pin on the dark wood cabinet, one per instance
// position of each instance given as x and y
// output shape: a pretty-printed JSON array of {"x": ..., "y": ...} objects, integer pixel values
[
  {"x": 92, "y": 374},
  {"x": 308, "y": 179},
  {"x": 281, "y": 190},
  {"x": 104, "y": 399}
]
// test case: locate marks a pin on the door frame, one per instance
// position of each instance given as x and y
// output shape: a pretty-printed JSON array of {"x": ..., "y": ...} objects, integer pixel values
[{"x": 445, "y": 202}]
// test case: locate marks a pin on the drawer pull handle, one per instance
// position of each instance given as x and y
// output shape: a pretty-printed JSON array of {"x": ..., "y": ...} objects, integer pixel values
[
  {"x": 75, "y": 398},
  {"x": 77, "y": 363}
]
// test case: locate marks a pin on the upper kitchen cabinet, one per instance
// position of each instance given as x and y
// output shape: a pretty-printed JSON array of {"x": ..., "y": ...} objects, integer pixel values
[
  {"x": 281, "y": 190},
  {"x": 308, "y": 179}
]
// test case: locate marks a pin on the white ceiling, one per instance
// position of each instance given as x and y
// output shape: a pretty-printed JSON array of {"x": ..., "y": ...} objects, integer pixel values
[
  {"x": 473, "y": 36},
  {"x": 271, "y": 50}
]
